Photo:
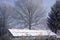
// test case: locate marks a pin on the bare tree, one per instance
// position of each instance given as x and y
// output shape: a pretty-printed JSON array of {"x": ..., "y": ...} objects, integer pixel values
[{"x": 29, "y": 12}]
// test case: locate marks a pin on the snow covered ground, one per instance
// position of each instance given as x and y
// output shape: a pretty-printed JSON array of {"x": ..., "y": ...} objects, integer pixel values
[{"x": 26, "y": 32}]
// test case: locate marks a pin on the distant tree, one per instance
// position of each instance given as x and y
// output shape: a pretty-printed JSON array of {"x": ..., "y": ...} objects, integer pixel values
[
  {"x": 29, "y": 12},
  {"x": 3, "y": 9},
  {"x": 54, "y": 17}
]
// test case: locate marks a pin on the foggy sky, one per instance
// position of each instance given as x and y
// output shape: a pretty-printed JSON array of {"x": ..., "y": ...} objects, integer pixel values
[{"x": 47, "y": 3}]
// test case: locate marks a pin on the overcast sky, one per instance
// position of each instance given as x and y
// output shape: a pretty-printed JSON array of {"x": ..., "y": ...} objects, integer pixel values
[{"x": 47, "y": 3}]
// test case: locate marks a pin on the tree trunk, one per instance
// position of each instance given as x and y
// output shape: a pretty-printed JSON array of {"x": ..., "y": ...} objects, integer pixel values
[
  {"x": 29, "y": 26},
  {"x": 29, "y": 20}
]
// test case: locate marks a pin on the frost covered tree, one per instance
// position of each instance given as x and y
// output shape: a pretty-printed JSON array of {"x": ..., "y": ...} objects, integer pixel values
[
  {"x": 54, "y": 17},
  {"x": 29, "y": 12}
]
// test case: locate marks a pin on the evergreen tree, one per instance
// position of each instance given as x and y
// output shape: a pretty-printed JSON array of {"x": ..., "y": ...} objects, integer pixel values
[{"x": 54, "y": 17}]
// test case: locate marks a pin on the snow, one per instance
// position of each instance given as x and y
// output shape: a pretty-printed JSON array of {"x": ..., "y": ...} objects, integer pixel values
[
  {"x": 58, "y": 34},
  {"x": 26, "y": 32}
]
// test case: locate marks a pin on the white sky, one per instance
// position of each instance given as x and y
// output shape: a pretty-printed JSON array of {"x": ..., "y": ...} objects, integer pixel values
[{"x": 48, "y": 4}]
